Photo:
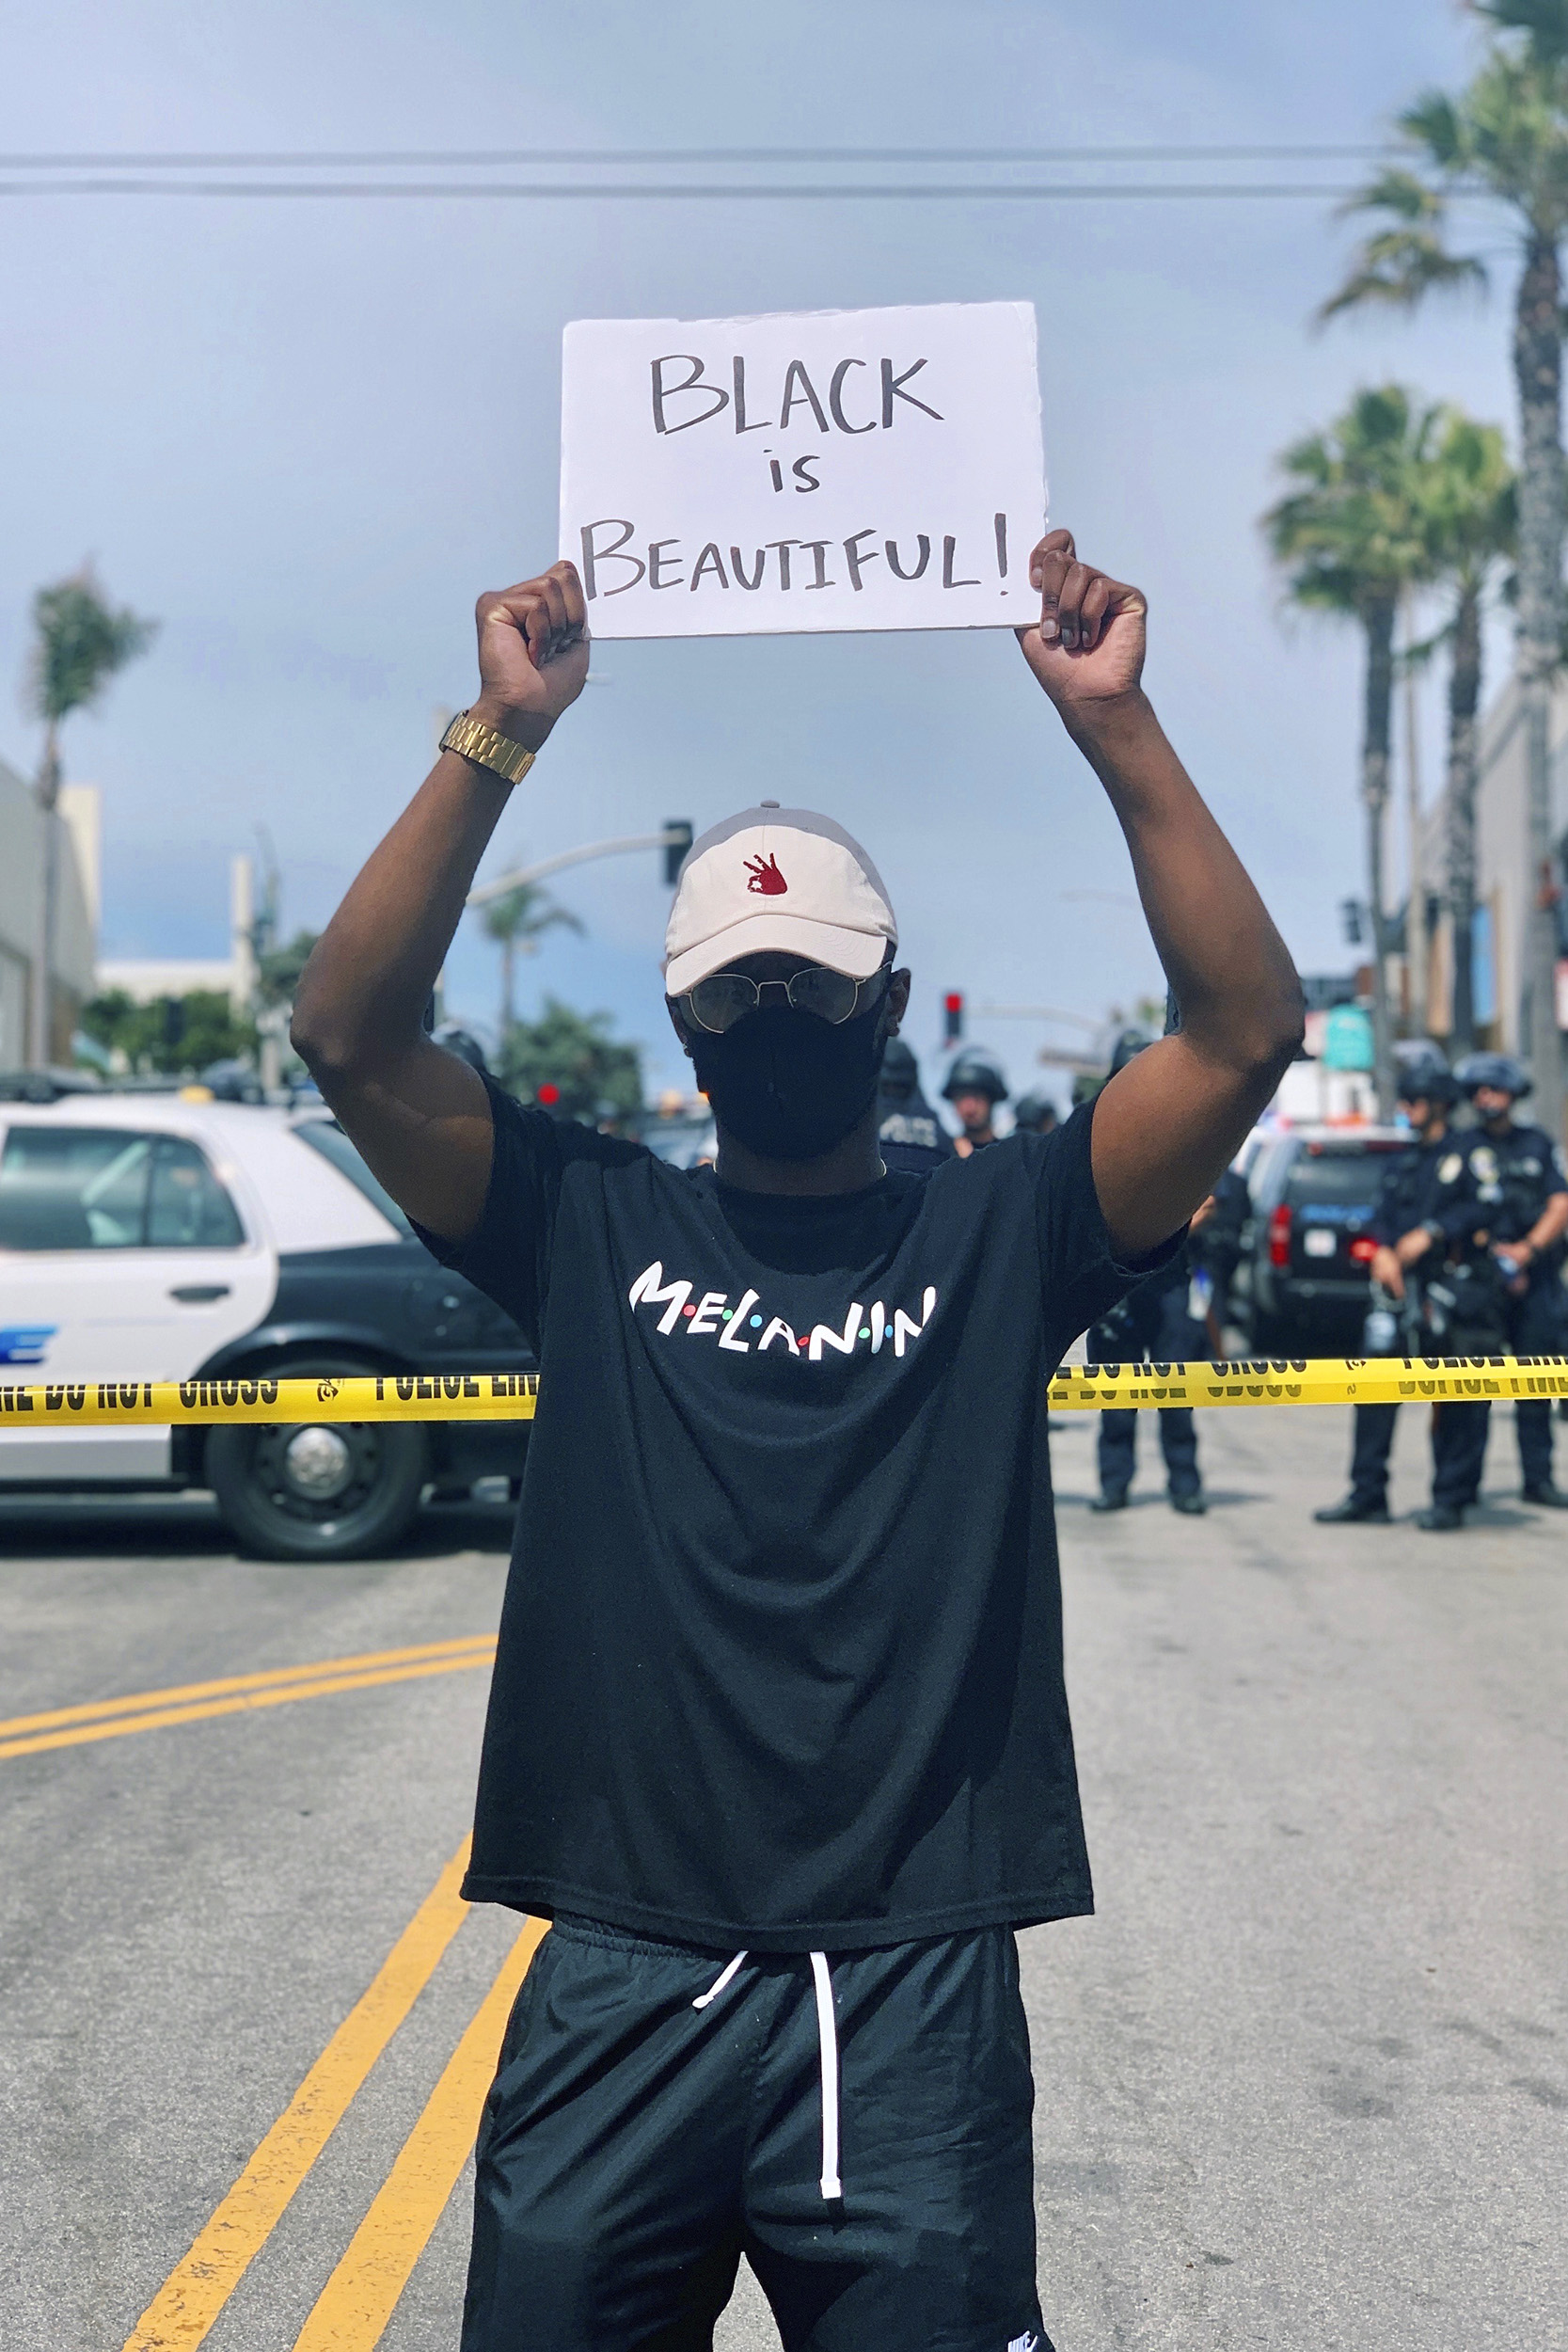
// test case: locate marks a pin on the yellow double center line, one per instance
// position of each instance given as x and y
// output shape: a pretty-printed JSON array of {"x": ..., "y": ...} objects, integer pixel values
[
  {"x": 237, "y": 1695},
  {"x": 352, "y": 2309},
  {"x": 358, "y": 2300}
]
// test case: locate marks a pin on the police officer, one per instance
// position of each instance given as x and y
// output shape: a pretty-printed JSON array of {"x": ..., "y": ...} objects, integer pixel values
[
  {"x": 911, "y": 1138},
  {"x": 1427, "y": 1092},
  {"x": 1498, "y": 1216},
  {"x": 1156, "y": 1320},
  {"x": 974, "y": 1086},
  {"x": 1034, "y": 1113}
]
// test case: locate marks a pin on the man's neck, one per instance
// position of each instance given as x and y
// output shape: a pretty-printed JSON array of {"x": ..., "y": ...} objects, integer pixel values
[{"x": 851, "y": 1165}]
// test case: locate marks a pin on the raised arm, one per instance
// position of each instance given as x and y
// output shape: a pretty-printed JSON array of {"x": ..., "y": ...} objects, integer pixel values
[
  {"x": 1166, "y": 1124},
  {"x": 421, "y": 1116}
]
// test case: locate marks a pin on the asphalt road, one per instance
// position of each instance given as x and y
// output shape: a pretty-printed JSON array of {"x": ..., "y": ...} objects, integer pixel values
[{"x": 1304, "y": 2081}]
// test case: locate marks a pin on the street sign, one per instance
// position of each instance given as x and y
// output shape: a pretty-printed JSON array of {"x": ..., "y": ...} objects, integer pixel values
[
  {"x": 1347, "y": 1039},
  {"x": 826, "y": 469}
]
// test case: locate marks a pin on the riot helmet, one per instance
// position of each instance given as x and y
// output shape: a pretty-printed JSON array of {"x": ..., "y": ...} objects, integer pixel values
[
  {"x": 1034, "y": 1111},
  {"x": 900, "y": 1076},
  {"x": 975, "y": 1072},
  {"x": 1493, "y": 1070},
  {"x": 1424, "y": 1076}
]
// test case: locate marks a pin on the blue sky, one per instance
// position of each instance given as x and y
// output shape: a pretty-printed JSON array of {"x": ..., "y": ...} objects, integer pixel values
[{"x": 306, "y": 435}]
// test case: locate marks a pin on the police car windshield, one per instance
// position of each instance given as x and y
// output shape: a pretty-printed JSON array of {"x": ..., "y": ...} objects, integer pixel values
[
  {"x": 1337, "y": 1176},
  {"x": 325, "y": 1136}
]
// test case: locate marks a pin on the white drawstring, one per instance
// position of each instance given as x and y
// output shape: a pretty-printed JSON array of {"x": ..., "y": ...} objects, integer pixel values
[
  {"x": 717, "y": 1985},
  {"x": 826, "y": 2044},
  {"x": 827, "y": 2040}
]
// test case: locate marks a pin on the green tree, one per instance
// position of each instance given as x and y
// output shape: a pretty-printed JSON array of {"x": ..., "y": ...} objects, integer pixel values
[
  {"x": 517, "y": 921},
  {"x": 79, "y": 644},
  {"x": 172, "y": 1034},
  {"x": 569, "y": 1061},
  {"x": 1504, "y": 137},
  {"x": 1470, "y": 495},
  {"x": 1352, "y": 536},
  {"x": 278, "y": 970}
]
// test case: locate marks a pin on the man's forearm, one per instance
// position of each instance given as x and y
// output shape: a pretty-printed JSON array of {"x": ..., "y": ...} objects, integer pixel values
[
  {"x": 363, "y": 997},
  {"x": 1228, "y": 966},
  {"x": 1550, "y": 1225}
]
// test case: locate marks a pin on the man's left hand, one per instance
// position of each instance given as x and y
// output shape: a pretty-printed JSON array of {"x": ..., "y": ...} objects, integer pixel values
[{"x": 1087, "y": 645}]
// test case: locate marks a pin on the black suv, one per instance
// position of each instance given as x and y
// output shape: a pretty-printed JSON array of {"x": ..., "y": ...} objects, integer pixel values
[{"x": 1314, "y": 1190}]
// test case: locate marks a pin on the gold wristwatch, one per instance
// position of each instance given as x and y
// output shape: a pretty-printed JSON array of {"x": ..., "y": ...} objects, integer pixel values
[{"x": 474, "y": 740}]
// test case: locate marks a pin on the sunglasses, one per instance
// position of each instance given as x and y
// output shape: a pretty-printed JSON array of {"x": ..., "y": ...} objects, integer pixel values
[{"x": 723, "y": 998}]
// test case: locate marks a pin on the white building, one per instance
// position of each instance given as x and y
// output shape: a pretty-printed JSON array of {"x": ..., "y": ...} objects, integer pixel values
[
  {"x": 146, "y": 978},
  {"x": 1502, "y": 958},
  {"x": 22, "y": 839}
]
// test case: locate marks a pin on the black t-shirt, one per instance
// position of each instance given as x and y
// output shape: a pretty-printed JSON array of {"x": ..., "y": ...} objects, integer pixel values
[{"x": 781, "y": 1654}]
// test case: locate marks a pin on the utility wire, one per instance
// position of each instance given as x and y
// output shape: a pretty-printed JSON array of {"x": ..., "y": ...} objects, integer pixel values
[
  {"x": 739, "y": 190},
  {"x": 430, "y": 157}
]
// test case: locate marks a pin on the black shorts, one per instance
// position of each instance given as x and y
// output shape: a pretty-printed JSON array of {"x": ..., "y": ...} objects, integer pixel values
[{"x": 634, "y": 2146}]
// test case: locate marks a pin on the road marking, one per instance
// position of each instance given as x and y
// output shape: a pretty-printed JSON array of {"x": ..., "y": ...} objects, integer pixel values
[
  {"x": 277, "y": 1693},
  {"x": 92, "y": 1708},
  {"x": 190, "y": 2299},
  {"x": 353, "y": 2306}
]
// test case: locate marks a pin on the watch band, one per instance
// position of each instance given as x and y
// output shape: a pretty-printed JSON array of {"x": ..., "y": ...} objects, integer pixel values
[{"x": 474, "y": 740}]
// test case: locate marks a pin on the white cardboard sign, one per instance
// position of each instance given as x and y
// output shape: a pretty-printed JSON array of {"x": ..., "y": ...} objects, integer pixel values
[{"x": 823, "y": 470}]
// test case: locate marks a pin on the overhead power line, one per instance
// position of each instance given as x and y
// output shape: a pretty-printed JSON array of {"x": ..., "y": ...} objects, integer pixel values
[
  {"x": 741, "y": 190},
  {"x": 430, "y": 158}
]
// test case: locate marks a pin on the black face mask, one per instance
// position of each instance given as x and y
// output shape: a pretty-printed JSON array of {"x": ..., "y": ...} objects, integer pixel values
[{"x": 787, "y": 1085}]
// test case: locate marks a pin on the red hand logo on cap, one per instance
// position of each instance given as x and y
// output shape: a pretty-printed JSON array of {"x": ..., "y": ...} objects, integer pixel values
[{"x": 765, "y": 876}]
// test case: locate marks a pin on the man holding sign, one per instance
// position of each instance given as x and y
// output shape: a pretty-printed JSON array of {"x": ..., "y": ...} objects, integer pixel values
[{"x": 777, "y": 1736}]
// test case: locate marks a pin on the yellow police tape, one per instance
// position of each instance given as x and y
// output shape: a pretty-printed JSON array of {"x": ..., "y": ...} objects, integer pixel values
[{"x": 26, "y": 1407}]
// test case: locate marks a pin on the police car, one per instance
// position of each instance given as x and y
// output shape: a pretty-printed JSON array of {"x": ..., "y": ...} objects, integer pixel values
[{"x": 157, "y": 1237}]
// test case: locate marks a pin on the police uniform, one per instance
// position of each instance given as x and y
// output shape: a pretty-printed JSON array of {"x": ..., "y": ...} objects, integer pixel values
[
  {"x": 1496, "y": 1185},
  {"x": 1407, "y": 1198},
  {"x": 911, "y": 1139},
  {"x": 1153, "y": 1321}
]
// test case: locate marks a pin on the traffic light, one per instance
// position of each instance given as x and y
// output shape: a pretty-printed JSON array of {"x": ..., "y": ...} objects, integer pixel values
[
  {"x": 676, "y": 851},
  {"x": 1350, "y": 915},
  {"x": 953, "y": 1017}
]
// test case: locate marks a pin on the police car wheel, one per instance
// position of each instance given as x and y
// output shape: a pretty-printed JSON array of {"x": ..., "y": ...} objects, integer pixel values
[{"x": 319, "y": 1491}]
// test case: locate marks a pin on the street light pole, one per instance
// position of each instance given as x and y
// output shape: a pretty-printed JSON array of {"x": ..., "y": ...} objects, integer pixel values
[
  {"x": 671, "y": 836},
  {"x": 40, "y": 1005}
]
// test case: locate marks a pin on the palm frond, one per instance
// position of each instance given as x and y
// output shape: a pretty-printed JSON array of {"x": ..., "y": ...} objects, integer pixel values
[
  {"x": 1396, "y": 268},
  {"x": 1352, "y": 529},
  {"x": 1544, "y": 21},
  {"x": 524, "y": 913},
  {"x": 1404, "y": 194},
  {"x": 80, "y": 640},
  {"x": 1436, "y": 124}
]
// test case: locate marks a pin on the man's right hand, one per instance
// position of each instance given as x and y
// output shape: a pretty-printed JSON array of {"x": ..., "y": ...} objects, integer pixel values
[
  {"x": 533, "y": 654},
  {"x": 1388, "y": 1271}
]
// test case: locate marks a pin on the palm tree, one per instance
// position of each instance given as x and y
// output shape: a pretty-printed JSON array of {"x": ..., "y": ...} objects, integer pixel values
[
  {"x": 1504, "y": 137},
  {"x": 518, "y": 920},
  {"x": 1352, "y": 538},
  {"x": 1472, "y": 519},
  {"x": 80, "y": 643}
]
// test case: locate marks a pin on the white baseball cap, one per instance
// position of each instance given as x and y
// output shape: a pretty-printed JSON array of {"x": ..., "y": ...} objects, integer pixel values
[{"x": 772, "y": 879}]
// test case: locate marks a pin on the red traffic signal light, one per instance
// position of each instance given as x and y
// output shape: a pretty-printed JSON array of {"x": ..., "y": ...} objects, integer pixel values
[{"x": 952, "y": 1017}]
